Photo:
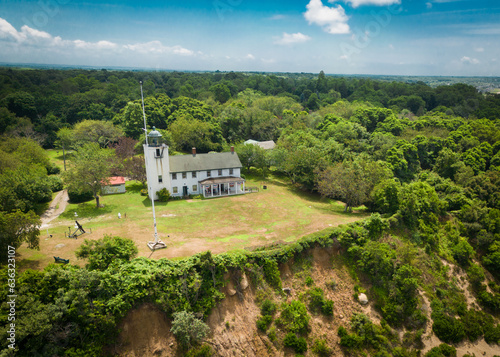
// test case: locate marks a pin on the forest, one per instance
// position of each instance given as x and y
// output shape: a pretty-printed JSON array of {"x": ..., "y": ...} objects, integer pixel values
[{"x": 424, "y": 160}]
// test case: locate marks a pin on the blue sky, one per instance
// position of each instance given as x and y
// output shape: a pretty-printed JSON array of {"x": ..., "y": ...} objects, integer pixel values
[{"x": 401, "y": 37}]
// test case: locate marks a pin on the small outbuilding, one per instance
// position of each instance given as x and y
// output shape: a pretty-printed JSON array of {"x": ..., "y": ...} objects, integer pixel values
[
  {"x": 266, "y": 145},
  {"x": 116, "y": 185}
]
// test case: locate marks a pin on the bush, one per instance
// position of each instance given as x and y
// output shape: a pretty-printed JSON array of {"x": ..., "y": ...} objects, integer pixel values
[
  {"x": 55, "y": 183},
  {"x": 264, "y": 322},
  {"x": 443, "y": 350},
  {"x": 447, "y": 328},
  {"x": 53, "y": 170},
  {"x": 327, "y": 307},
  {"x": 202, "y": 351},
  {"x": 321, "y": 349},
  {"x": 463, "y": 252},
  {"x": 102, "y": 252},
  {"x": 188, "y": 330},
  {"x": 272, "y": 273},
  {"x": 299, "y": 345},
  {"x": 163, "y": 195},
  {"x": 268, "y": 307},
  {"x": 78, "y": 196},
  {"x": 144, "y": 192},
  {"x": 295, "y": 317}
]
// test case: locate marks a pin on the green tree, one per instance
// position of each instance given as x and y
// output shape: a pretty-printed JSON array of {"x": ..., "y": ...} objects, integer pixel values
[
  {"x": 18, "y": 227},
  {"x": 351, "y": 181},
  {"x": 89, "y": 169},
  {"x": 188, "y": 133},
  {"x": 95, "y": 131},
  {"x": 221, "y": 92}
]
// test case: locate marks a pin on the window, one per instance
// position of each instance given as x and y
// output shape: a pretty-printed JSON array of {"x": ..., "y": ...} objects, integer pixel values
[
  {"x": 160, "y": 179},
  {"x": 230, "y": 171},
  {"x": 158, "y": 153},
  {"x": 220, "y": 172},
  {"x": 209, "y": 173},
  {"x": 184, "y": 175},
  {"x": 174, "y": 176},
  {"x": 175, "y": 190},
  {"x": 194, "y": 174},
  {"x": 195, "y": 188}
]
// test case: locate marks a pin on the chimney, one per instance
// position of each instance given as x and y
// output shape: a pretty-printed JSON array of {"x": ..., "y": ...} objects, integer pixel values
[
  {"x": 194, "y": 151},
  {"x": 232, "y": 149}
]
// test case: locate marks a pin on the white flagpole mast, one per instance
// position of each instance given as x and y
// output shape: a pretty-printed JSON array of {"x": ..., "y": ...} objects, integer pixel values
[{"x": 145, "y": 156}]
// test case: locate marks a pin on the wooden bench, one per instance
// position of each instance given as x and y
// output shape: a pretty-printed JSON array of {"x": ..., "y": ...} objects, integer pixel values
[{"x": 61, "y": 260}]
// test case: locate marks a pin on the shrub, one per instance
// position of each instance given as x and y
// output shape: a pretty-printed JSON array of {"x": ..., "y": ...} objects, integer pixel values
[
  {"x": 188, "y": 330},
  {"x": 318, "y": 303},
  {"x": 316, "y": 299},
  {"x": 268, "y": 307},
  {"x": 299, "y": 345},
  {"x": 309, "y": 281},
  {"x": 327, "y": 307},
  {"x": 447, "y": 328},
  {"x": 55, "y": 183},
  {"x": 78, "y": 196},
  {"x": 443, "y": 350},
  {"x": 163, "y": 195},
  {"x": 321, "y": 349},
  {"x": 102, "y": 252},
  {"x": 463, "y": 252},
  {"x": 272, "y": 334},
  {"x": 264, "y": 322},
  {"x": 492, "y": 334},
  {"x": 202, "y": 351},
  {"x": 295, "y": 317},
  {"x": 272, "y": 273},
  {"x": 144, "y": 192},
  {"x": 53, "y": 170}
]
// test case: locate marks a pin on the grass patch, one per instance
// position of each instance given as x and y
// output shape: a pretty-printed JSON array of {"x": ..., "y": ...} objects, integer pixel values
[{"x": 280, "y": 213}]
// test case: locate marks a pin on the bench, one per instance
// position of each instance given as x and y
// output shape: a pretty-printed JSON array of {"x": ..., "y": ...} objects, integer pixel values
[{"x": 61, "y": 260}]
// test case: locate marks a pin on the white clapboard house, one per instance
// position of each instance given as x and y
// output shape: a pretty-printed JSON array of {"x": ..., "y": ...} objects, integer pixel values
[{"x": 210, "y": 175}]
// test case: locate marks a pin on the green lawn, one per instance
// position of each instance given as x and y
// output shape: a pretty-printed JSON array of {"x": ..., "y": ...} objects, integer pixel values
[{"x": 281, "y": 212}]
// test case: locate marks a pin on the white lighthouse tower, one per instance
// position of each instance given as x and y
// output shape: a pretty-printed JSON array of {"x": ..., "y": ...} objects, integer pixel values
[{"x": 157, "y": 164}]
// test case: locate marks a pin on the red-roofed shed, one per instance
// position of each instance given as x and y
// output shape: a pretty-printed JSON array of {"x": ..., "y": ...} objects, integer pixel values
[{"x": 116, "y": 185}]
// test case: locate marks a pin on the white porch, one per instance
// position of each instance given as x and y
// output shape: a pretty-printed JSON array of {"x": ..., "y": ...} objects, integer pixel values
[{"x": 222, "y": 186}]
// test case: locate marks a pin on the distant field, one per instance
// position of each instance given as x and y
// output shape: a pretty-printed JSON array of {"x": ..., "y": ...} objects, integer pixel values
[{"x": 279, "y": 213}]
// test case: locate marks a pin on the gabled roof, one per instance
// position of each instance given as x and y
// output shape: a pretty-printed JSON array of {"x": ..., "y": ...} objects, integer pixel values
[
  {"x": 116, "y": 180},
  {"x": 201, "y": 162}
]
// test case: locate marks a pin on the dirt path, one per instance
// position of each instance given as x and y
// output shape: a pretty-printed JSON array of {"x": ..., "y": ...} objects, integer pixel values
[{"x": 56, "y": 207}]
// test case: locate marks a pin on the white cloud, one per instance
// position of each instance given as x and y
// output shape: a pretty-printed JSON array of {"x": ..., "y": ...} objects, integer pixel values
[
  {"x": 479, "y": 49},
  {"x": 332, "y": 20},
  {"x": 291, "y": 38},
  {"x": 29, "y": 38},
  {"x": 429, "y": 5},
  {"x": 250, "y": 56},
  {"x": 356, "y": 3},
  {"x": 469, "y": 60}
]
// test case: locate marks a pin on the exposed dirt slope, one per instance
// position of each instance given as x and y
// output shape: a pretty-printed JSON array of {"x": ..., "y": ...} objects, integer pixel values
[{"x": 146, "y": 330}]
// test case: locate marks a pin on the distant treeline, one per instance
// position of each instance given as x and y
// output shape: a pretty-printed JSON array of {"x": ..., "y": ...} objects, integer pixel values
[{"x": 40, "y": 102}]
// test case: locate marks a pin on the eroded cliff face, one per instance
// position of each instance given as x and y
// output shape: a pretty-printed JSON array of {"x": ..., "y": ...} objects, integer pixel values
[{"x": 145, "y": 331}]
